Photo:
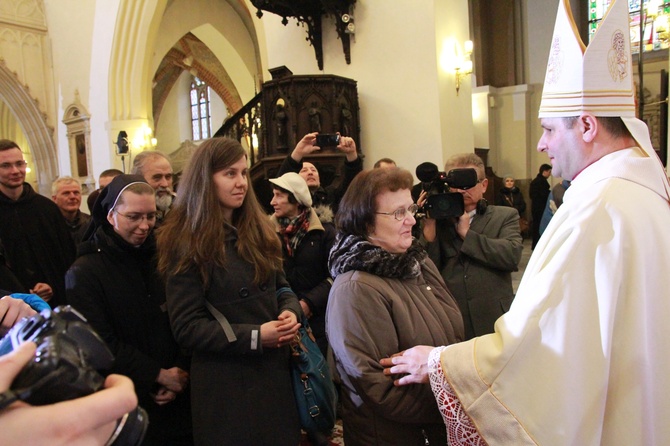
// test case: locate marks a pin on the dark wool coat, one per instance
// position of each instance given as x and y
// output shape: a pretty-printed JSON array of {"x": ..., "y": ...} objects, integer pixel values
[
  {"x": 511, "y": 198},
  {"x": 117, "y": 288},
  {"x": 241, "y": 393},
  {"x": 331, "y": 195},
  {"x": 370, "y": 317},
  {"x": 307, "y": 272},
  {"x": 478, "y": 269},
  {"x": 37, "y": 242},
  {"x": 539, "y": 192}
]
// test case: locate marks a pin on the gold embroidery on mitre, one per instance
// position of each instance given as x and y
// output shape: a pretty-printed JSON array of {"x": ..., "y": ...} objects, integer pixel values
[
  {"x": 617, "y": 58},
  {"x": 555, "y": 63}
]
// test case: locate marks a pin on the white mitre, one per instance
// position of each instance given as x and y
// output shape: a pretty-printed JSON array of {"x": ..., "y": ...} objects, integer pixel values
[{"x": 597, "y": 79}]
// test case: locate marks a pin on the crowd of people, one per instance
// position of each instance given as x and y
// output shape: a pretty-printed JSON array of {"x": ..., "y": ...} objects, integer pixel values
[{"x": 199, "y": 293}]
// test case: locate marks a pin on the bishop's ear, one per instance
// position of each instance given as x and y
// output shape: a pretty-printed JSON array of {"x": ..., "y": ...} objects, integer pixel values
[{"x": 588, "y": 125}]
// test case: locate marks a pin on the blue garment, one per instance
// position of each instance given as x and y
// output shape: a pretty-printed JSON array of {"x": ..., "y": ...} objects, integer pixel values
[
  {"x": 548, "y": 213},
  {"x": 35, "y": 301}
]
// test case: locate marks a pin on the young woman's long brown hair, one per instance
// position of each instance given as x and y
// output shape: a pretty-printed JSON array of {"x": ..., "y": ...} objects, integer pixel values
[{"x": 194, "y": 231}]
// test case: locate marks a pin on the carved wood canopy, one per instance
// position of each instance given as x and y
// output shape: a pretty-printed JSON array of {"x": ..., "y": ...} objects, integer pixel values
[{"x": 311, "y": 12}]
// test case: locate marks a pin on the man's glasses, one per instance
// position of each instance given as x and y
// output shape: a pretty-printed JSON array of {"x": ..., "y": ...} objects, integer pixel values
[
  {"x": 399, "y": 214},
  {"x": 137, "y": 218},
  {"x": 19, "y": 165}
]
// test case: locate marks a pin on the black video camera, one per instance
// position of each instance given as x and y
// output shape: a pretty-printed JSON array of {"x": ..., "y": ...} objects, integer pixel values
[
  {"x": 66, "y": 363},
  {"x": 441, "y": 203}
]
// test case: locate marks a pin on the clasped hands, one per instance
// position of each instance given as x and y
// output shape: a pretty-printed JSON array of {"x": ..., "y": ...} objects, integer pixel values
[{"x": 280, "y": 332}]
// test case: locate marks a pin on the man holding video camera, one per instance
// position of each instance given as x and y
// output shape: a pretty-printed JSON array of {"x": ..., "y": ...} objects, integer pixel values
[
  {"x": 323, "y": 199},
  {"x": 476, "y": 252}
]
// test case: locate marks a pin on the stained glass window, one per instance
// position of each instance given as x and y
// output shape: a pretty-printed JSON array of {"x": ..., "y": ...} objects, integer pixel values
[
  {"x": 200, "y": 110},
  {"x": 654, "y": 28}
]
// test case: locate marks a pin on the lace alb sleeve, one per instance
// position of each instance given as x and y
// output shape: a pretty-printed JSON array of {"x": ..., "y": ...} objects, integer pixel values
[{"x": 460, "y": 430}]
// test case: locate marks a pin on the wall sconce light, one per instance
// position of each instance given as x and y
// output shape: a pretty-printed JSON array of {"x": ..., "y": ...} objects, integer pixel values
[
  {"x": 457, "y": 60},
  {"x": 143, "y": 139}
]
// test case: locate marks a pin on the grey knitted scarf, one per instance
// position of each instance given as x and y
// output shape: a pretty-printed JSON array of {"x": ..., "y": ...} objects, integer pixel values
[{"x": 352, "y": 252}]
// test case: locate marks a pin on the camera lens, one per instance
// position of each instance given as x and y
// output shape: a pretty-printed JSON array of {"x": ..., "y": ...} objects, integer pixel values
[{"x": 130, "y": 429}]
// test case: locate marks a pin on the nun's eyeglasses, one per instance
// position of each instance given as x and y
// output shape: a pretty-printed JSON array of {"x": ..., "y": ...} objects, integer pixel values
[
  {"x": 399, "y": 214},
  {"x": 138, "y": 218}
]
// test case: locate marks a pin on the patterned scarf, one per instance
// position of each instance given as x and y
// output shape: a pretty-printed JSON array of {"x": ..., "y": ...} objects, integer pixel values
[
  {"x": 352, "y": 252},
  {"x": 293, "y": 230}
]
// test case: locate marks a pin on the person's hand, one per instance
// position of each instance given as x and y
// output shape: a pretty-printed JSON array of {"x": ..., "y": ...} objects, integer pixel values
[
  {"x": 413, "y": 363},
  {"x": 305, "y": 146},
  {"x": 288, "y": 317},
  {"x": 423, "y": 196},
  {"x": 89, "y": 420},
  {"x": 174, "y": 379},
  {"x": 281, "y": 332},
  {"x": 164, "y": 396},
  {"x": 305, "y": 309},
  {"x": 463, "y": 225},
  {"x": 347, "y": 146},
  {"x": 43, "y": 290},
  {"x": 11, "y": 311}
]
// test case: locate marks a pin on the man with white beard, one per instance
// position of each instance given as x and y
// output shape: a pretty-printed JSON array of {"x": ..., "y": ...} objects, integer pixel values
[{"x": 156, "y": 169}]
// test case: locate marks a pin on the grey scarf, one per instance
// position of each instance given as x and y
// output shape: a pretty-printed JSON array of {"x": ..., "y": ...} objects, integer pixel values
[{"x": 352, "y": 252}]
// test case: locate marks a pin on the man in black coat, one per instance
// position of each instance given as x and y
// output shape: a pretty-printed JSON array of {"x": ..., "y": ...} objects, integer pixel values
[
  {"x": 37, "y": 242},
  {"x": 539, "y": 192}
]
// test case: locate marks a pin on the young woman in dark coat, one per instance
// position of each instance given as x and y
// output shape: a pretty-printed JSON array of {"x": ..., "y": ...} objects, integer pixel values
[
  {"x": 229, "y": 302},
  {"x": 114, "y": 283}
]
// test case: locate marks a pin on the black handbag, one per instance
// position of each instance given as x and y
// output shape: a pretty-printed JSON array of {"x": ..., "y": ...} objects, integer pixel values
[{"x": 315, "y": 393}]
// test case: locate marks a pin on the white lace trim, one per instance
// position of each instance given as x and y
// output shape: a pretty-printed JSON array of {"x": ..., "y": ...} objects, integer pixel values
[{"x": 460, "y": 430}]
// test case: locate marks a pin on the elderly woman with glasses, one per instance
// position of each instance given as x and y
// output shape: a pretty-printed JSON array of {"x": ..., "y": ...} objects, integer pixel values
[
  {"x": 115, "y": 284},
  {"x": 387, "y": 296}
]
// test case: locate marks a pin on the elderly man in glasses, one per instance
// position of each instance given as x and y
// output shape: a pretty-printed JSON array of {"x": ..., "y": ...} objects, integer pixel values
[
  {"x": 476, "y": 252},
  {"x": 38, "y": 247}
]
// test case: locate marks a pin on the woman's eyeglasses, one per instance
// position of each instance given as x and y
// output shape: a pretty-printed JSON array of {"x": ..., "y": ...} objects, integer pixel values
[
  {"x": 137, "y": 218},
  {"x": 399, "y": 214}
]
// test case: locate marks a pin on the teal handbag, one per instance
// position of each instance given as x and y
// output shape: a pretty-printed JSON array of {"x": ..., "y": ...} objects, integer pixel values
[{"x": 315, "y": 393}]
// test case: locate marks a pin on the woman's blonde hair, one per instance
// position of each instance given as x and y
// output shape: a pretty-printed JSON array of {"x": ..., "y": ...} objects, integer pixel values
[{"x": 195, "y": 229}]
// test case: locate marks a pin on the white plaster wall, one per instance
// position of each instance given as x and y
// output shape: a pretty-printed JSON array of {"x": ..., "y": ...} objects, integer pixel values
[
  {"x": 174, "y": 123},
  {"x": 393, "y": 59},
  {"x": 455, "y": 121},
  {"x": 217, "y": 110},
  {"x": 70, "y": 25}
]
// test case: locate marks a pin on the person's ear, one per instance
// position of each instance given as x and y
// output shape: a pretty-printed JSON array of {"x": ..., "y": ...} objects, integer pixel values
[
  {"x": 588, "y": 125},
  {"x": 110, "y": 217}
]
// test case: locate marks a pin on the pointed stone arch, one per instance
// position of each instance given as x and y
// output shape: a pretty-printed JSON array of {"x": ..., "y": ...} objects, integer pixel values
[
  {"x": 130, "y": 79},
  {"x": 34, "y": 125}
]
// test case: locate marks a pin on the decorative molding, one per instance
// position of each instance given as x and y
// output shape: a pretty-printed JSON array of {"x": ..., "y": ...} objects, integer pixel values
[{"x": 23, "y": 14}]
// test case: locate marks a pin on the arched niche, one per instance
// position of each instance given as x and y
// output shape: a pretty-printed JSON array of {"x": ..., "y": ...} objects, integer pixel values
[{"x": 77, "y": 121}]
